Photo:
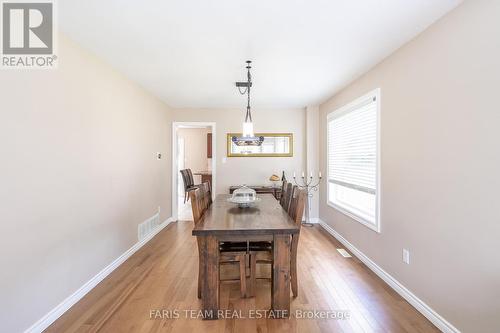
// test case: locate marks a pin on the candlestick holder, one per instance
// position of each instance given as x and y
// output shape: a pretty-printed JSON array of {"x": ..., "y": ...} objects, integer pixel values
[{"x": 309, "y": 186}]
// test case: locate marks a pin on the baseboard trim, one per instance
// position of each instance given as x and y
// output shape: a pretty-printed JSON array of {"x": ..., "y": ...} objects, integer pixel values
[
  {"x": 416, "y": 302},
  {"x": 65, "y": 305}
]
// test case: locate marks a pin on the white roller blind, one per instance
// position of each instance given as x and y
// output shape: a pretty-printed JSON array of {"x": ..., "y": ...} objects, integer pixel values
[{"x": 352, "y": 147}]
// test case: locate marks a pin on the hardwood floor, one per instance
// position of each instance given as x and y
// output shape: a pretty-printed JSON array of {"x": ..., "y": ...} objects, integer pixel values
[{"x": 162, "y": 276}]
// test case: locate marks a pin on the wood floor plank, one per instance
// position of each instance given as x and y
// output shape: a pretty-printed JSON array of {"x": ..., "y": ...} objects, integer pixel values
[{"x": 162, "y": 276}]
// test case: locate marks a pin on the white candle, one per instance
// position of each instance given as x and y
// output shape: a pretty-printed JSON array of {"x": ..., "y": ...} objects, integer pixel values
[
  {"x": 302, "y": 174},
  {"x": 294, "y": 174},
  {"x": 320, "y": 174},
  {"x": 311, "y": 174}
]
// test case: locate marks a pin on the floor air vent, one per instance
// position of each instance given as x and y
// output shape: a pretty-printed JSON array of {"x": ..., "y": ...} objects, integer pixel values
[
  {"x": 344, "y": 253},
  {"x": 148, "y": 226}
]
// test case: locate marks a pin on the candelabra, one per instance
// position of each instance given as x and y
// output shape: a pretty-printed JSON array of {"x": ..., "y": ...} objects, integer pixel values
[{"x": 310, "y": 187}]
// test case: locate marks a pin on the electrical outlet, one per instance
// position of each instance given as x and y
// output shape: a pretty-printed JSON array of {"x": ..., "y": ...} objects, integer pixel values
[
  {"x": 158, "y": 155},
  {"x": 406, "y": 256}
]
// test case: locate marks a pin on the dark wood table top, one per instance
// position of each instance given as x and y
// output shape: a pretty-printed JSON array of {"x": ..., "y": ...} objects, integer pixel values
[{"x": 225, "y": 218}]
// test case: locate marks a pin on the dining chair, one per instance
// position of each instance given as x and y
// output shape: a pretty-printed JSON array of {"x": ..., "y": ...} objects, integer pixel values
[
  {"x": 229, "y": 253},
  {"x": 296, "y": 213},
  {"x": 207, "y": 194},
  {"x": 292, "y": 206},
  {"x": 187, "y": 178},
  {"x": 287, "y": 196},
  {"x": 283, "y": 187},
  {"x": 262, "y": 253}
]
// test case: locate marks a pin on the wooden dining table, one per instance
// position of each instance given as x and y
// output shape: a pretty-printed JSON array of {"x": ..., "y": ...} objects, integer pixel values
[{"x": 265, "y": 221}]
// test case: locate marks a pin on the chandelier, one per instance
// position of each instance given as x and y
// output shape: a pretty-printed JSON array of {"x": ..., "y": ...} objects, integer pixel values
[{"x": 248, "y": 138}]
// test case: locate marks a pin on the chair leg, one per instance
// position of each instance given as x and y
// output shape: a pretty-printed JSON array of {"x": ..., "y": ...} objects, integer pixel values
[
  {"x": 243, "y": 276},
  {"x": 199, "y": 281},
  {"x": 185, "y": 196},
  {"x": 293, "y": 266},
  {"x": 199, "y": 266},
  {"x": 253, "y": 273}
]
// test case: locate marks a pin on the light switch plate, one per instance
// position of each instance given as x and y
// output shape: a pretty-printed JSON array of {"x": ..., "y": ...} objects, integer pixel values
[{"x": 406, "y": 256}]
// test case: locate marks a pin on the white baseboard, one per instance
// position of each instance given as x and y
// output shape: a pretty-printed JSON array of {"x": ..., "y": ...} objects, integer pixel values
[
  {"x": 65, "y": 305},
  {"x": 416, "y": 302}
]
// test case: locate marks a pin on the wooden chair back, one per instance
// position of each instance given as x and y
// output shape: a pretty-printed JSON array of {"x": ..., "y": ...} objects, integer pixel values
[
  {"x": 287, "y": 196},
  {"x": 190, "y": 175},
  {"x": 185, "y": 180},
  {"x": 207, "y": 193},
  {"x": 293, "y": 203},
  {"x": 283, "y": 194},
  {"x": 297, "y": 205},
  {"x": 283, "y": 188},
  {"x": 197, "y": 203},
  {"x": 187, "y": 177}
]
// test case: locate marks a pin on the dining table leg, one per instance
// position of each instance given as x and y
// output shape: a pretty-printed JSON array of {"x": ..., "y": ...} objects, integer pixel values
[
  {"x": 209, "y": 259},
  {"x": 280, "y": 292}
]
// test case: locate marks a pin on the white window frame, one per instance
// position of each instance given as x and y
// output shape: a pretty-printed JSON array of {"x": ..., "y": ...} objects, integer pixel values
[{"x": 344, "y": 210}]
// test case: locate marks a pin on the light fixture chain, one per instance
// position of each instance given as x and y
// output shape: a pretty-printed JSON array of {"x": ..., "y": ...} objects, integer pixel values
[
  {"x": 249, "y": 112},
  {"x": 248, "y": 137}
]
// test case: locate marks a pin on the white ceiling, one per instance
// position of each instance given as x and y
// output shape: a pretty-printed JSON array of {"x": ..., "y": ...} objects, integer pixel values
[{"x": 190, "y": 52}]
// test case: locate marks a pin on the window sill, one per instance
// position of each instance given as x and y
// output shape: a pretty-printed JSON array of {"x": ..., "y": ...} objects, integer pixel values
[{"x": 368, "y": 224}]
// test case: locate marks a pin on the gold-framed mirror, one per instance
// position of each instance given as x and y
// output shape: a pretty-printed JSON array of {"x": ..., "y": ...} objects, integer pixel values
[{"x": 274, "y": 145}]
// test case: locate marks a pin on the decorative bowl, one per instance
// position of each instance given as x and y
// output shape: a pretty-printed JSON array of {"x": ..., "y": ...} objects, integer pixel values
[
  {"x": 242, "y": 203},
  {"x": 244, "y": 197}
]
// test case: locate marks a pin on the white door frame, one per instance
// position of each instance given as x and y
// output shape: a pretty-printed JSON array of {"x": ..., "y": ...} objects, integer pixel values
[{"x": 175, "y": 126}]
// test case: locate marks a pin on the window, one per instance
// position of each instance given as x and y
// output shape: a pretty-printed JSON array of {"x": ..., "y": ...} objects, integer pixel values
[{"x": 353, "y": 159}]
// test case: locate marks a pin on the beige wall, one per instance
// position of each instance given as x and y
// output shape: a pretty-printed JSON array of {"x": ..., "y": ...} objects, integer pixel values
[
  {"x": 78, "y": 173},
  {"x": 440, "y": 166},
  {"x": 195, "y": 149},
  {"x": 251, "y": 170},
  {"x": 312, "y": 159}
]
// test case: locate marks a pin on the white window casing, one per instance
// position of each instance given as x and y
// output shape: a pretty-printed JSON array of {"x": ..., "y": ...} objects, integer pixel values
[{"x": 353, "y": 159}]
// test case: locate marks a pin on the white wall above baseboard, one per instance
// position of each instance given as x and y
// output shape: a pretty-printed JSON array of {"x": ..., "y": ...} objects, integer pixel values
[
  {"x": 416, "y": 302},
  {"x": 71, "y": 300},
  {"x": 312, "y": 155},
  {"x": 314, "y": 220}
]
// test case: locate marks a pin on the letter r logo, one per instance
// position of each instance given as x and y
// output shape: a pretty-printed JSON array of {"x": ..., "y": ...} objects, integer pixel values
[{"x": 27, "y": 28}]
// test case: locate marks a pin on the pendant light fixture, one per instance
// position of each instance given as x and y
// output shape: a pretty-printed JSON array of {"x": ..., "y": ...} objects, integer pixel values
[{"x": 248, "y": 138}]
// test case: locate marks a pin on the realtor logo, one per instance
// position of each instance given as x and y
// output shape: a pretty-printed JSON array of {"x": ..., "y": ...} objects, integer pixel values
[{"x": 28, "y": 35}]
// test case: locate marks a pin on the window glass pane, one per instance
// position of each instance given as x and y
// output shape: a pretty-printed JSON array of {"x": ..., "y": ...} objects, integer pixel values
[{"x": 360, "y": 203}]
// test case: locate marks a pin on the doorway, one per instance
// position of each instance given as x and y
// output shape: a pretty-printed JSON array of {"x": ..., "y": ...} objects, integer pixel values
[{"x": 193, "y": 147}]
